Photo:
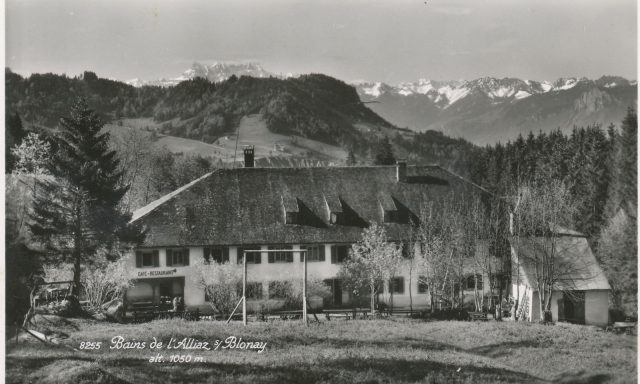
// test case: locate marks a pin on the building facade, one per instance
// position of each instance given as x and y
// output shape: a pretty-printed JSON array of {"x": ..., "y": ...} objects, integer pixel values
[{"x": 321, "y": 210}]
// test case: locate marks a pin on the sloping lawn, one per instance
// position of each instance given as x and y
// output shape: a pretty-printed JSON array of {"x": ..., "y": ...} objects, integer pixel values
[{"x": 332, "y": 352}]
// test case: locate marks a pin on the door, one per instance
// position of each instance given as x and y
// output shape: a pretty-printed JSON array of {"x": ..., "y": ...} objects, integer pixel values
[{"x": 573, "y": 306}]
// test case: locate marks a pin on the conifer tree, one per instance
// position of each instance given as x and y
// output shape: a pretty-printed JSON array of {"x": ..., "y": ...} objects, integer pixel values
[
  {"x": 76, "y": 211},
  {"x": 13, "y": 135},
  {"x": 384, "y": 153},
  {"x": 351, "y": 158}
]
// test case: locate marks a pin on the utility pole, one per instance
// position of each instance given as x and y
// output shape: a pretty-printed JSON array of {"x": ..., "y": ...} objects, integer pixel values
[
  {"x": 244, "y": 288},
  {"x": 304, "y": 254}
]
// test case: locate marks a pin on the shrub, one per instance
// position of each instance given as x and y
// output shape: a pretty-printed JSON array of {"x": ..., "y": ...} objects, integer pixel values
[{"x": 220, "y": 282}]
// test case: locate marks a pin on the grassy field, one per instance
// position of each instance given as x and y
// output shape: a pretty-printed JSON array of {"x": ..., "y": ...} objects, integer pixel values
[
  {"x": 253, "y": 131},
  {"x": 332, "y": 352}
]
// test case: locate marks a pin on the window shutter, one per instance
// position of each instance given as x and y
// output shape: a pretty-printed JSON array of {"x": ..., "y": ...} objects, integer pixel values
[
  {"x": 138, "y": 259},
  {"x": 302, "y": 254},
  {"x": 169, "y": 258},
  {"x": 257, "y": 258},
  {"x": 321, "y": 253},
  {"x": 272, "y": 256},
  {"x": 156, "y": 258},
  {"x": 334, "y": 256},
  {"x": 289, "y": 257},
  {"x": 185, "y": 257},
  {"x": 225, "y": 254},
  {"x": 207, "y": 254}
]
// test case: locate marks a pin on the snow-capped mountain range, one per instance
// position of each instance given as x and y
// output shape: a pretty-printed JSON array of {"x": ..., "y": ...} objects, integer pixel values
[
  {"x": 489, "y": 109},
  {"x": 483, "y": 110},
  {"x": 445, "y": 93},
  {"x": 216, "y": 72}
]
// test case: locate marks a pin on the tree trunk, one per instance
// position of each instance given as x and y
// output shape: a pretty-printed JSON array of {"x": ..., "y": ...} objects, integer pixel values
[
  {"x": 373, "y": 299},
  {"x": 410, "y": 286},
  {"x": 541, "y": 300},
  {"x": 431, "y": 298}
]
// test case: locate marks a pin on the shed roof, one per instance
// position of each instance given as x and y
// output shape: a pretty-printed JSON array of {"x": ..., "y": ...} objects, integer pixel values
[
  {"x": 576, "y": 266},
  {"x": 245, "y": 205}
]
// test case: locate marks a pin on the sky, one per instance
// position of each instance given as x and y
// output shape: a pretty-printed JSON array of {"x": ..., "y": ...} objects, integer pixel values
[{"x": 390, "y": 41}]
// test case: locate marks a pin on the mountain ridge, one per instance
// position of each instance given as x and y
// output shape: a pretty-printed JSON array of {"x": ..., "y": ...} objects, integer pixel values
[{"x": 488, "y": 110}]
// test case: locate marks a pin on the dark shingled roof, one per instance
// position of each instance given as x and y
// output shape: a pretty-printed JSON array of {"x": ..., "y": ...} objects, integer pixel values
[
  {"x": 576, "y": 266},
  {"x": 249, "y": 205}
]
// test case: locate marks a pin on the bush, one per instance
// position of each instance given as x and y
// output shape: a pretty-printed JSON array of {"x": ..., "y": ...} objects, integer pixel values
[
  {"x": 105, "y": 282},
  {"x": 220, "y": 282},
  {"x": 291, "y": 291}
]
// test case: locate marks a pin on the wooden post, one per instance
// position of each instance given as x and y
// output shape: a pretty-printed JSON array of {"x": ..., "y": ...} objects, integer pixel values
[
  {"x": 244, "y": 288},
  {"x": 304, "y": 288}
]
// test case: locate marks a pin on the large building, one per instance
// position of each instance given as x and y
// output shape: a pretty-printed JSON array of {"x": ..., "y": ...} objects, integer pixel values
[{"x": 322, "y": 210}]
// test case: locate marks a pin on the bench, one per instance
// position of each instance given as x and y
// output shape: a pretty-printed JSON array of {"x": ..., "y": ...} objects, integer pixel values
[
  {"x": 478, "y": 316},
  {"x": 344, "y": 316},
  {"x": 623, "y": 326}
]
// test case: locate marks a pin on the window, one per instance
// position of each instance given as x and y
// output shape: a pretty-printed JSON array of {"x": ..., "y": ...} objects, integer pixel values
[
  {"x": 292, "y": 218},
  {"x": 339, "y": 253},
  {"x": 279, "y": 289},
  {"x": 407, "y": 249},
  {"x": 280, "y": 257},
  {"x": 422, "y": 284},
  {"x": 252, "y": 257},
  {"x": 499, "y": 281},
  {"x": 254, "y": 290},
  {"x": 314, "y": 252},
  {"x": 396, "y": 285},
  {"x": 177, "y": 257},
  {"x": 147, "y": 259},
  {"x": 471, "y": 281},
  {"x": 219, "y": 255}
]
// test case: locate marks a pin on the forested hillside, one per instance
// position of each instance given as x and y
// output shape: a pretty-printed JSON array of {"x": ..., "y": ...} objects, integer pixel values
[
  {"x": 599, "y": 167},
  {"x": 316, "y": 107},
  {"x": 312, "y": 106}
]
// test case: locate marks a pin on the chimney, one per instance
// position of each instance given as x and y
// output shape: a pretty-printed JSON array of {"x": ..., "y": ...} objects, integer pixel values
[
  {"x": 248, "y": 156},
  {"x": 401, "y": 171}
]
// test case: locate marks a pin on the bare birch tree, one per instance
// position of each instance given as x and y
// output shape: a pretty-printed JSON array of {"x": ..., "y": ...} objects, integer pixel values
[
  {"x": 546, "y": 208},
  {"x": 372, "y": 261},
  {"x": 438, "y": 240}
]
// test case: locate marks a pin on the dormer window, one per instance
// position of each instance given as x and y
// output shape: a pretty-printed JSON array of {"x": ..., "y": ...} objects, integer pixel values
[
  {"x": 290, "y": 210},
  {"x": 388, "y": 209},
  {"x": 336, "y": 218},
  {"x": 291, "y": 218},
  {"x": 333, "y": 206},
  {"x": 392, "y": 211}
]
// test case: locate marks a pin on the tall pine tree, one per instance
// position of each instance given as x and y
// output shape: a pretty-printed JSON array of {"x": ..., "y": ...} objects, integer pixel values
[
  {"x": 13, "y": 135},
  {"x": 76, "y": 212},
  {"x": 384, "y": 153}
]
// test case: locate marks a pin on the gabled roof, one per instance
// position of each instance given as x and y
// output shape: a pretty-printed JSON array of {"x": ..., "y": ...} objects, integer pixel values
[
  {"x": 245, "y": 205},
  {"x": 139, "y": 213},
  {"x": 575, "y": 264}
]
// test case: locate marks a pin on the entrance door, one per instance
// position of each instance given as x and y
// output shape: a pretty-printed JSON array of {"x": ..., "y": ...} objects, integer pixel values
[{"x": 573, "y": 307}]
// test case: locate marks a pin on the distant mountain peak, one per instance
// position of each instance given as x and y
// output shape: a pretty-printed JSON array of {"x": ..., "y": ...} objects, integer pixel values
[
  {"x": 222, "y": 70},
  {"x": 215, "y": 72},
  {"x": 507, "y": 89}
]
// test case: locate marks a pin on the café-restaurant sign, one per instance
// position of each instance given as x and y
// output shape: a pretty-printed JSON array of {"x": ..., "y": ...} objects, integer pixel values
[{"x": 156, "y": 273}]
